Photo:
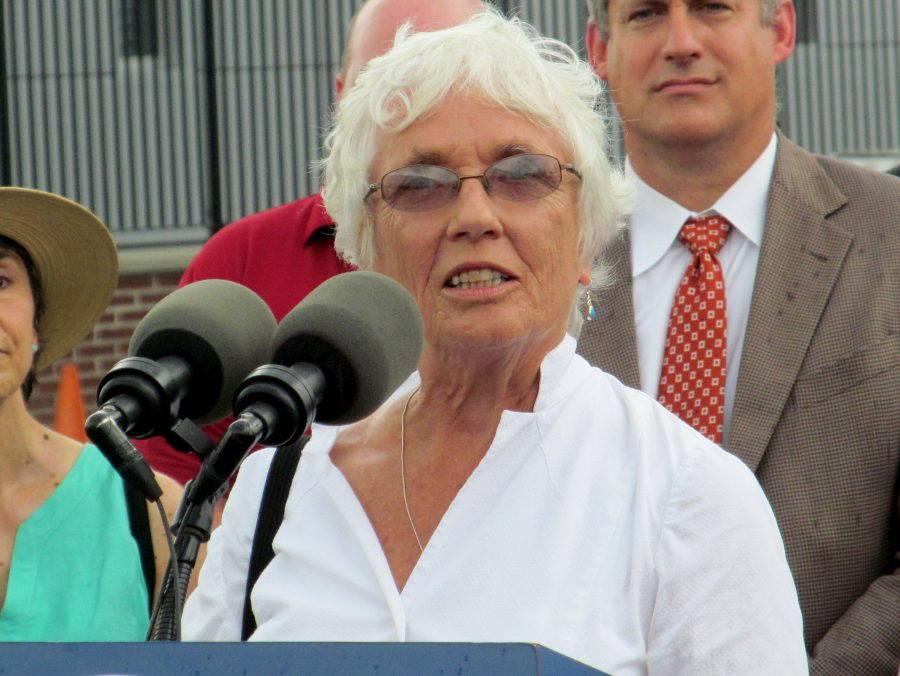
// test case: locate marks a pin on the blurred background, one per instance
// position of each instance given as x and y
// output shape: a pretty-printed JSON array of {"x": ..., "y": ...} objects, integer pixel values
[{"x": 171, "y": 118}]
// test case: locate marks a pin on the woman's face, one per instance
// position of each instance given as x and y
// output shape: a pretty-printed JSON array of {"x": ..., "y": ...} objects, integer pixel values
[
  {"x": 530, "y": 246},
  {"x": 17, "y": 332}
]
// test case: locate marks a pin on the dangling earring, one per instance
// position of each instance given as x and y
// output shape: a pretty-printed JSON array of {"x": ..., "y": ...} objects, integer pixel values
[
  {"x": 589, "y": 311},
  {"x": 35, "y": 347}
]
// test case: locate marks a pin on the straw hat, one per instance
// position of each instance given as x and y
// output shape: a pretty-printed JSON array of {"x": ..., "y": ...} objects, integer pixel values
[{"x": 76, "y": 261}]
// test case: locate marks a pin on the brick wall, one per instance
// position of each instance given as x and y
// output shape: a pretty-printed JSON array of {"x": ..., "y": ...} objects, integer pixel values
[{"x": 137, "y": 292}]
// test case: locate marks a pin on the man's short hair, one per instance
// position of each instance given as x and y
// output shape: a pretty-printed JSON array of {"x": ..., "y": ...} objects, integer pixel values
[{"x": 599, "y": 13}]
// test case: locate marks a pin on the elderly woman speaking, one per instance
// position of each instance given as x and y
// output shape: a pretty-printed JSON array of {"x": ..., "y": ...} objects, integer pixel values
[{"x": 508, "y": 491}]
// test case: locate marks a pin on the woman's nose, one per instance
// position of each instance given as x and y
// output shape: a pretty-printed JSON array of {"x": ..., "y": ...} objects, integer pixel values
[{"x": 474, "y": 211}]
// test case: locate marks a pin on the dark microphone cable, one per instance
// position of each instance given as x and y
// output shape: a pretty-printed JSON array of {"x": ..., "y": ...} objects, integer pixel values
[
  {"x": 128, "y": 462},
  {"x": 186, "y": 356},
  {"x": 179, "y": 585},
  {"x": 193, "y": 524}
]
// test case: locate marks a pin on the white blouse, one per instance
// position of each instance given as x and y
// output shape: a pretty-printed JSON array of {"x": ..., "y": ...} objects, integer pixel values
[{"x": 599, "y": 526}]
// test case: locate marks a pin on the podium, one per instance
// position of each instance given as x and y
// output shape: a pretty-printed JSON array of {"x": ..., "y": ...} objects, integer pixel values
[{"x": 327, "y": 659}]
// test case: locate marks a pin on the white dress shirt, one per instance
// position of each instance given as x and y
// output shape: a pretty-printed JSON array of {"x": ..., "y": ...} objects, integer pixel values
[
  {"x": 658, "y": 262},
  {"x": 598, "y": 525}
]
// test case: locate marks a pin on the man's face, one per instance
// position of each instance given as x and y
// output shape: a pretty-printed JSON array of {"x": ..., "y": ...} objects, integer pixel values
[{"x": 692, "y": 72}]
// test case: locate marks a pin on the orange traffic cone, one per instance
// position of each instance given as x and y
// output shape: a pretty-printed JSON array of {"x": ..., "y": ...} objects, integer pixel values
[{"x": 69, "y": 415}]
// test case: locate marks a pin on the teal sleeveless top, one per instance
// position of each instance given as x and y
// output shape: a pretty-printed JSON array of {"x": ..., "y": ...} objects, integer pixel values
[{"x": 76, "y": 570}]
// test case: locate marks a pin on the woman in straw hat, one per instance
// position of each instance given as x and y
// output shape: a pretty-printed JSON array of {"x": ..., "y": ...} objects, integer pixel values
[{"x": 70, "y": 565}]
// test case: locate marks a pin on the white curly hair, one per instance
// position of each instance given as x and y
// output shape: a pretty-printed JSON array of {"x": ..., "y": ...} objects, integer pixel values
[{"x": 504, "y": 61}]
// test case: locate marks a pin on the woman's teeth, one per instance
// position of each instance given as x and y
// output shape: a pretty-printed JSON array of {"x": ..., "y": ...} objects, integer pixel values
[{"x": 477, "y": 279}]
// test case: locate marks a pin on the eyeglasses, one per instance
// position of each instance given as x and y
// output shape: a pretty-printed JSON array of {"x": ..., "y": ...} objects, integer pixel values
[{"x": 517, "y": 178}]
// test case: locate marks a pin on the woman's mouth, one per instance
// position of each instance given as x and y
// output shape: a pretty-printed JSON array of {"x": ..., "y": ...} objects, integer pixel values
[{"x": 477, "y": 279}]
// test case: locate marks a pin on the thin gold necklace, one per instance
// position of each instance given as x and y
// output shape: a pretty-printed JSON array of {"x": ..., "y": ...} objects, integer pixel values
[{"x": 412, "y": 523}]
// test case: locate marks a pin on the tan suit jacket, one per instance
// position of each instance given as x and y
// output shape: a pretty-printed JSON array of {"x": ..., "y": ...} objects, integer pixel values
[{"x": 816, "y": 413}]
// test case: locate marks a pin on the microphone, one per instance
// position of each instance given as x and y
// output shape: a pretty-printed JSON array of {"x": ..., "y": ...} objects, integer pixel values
[
  {"x": 186, "y": 357},
  {"x": 336, "y": 357}
]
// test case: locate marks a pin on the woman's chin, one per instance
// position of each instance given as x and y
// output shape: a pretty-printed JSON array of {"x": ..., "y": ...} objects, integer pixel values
[
  {"x": 468, "y": 337},
  {"x": 488, "y": 336}
]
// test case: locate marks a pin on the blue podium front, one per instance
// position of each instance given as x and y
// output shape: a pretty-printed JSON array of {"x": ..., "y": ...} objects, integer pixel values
[{"x": 339, "y": 659}]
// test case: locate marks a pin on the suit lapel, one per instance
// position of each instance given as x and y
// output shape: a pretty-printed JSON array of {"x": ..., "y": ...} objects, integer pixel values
[
  {"x": 610, "y": 341},
  {"x": 800, "y": 259}
]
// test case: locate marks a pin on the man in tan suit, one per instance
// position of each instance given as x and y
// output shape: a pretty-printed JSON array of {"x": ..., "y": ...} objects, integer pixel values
[{"x": 811, "y": 269}]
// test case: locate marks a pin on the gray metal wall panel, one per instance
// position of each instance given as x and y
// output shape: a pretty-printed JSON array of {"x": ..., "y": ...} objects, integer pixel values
[
  {"x": 841, "y": 94},
  {"x": 276, "y": 65},
  {"x": 563, "y": 19},
  {"x": 566, "y": 20},
  {"x": 102, "y": 128}
]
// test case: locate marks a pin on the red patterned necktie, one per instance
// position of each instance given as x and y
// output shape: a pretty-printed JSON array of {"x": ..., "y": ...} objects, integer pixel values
[{"x": 692, "y": 381}]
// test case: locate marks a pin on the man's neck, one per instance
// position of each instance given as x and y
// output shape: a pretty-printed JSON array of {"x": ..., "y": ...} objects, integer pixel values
[{"x": 694, "y": 175}]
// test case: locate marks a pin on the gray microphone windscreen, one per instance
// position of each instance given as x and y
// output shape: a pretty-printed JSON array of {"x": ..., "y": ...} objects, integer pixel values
[
  {"x": 222, "y": 329},
  {"x": 364, "y": 331}
]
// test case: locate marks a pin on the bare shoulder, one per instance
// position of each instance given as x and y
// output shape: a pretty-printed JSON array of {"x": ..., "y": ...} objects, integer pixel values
[{"x": 172, "y": 492}]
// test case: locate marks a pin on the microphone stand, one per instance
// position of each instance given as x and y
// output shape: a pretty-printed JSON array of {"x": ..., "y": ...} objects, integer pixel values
[
  {"x": 278, "y": 399},
  {"x": 192, "y": 528},
  {"x": 193, "y": 524}
]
